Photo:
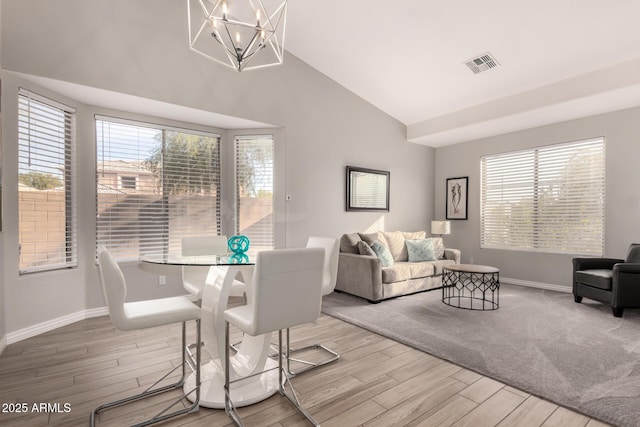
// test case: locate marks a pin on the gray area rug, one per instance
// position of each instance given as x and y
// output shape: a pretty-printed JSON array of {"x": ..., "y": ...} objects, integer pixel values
[{"x": 576, "y": 355}]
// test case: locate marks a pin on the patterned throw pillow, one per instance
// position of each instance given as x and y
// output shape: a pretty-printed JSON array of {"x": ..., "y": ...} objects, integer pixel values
[
  {"x": 383, "y": 253},
  {"x": 420, "y": 250},
  {"x": 438, "y": 246},
  {"x": 365, "y": 249}
]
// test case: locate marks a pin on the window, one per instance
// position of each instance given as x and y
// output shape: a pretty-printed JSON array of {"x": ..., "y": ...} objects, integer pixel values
[
  {"x": 254, "y": 190},
  {"x": 47, "y": 218},
  {"x": 548, "y": 199},
  {"x": 128, "y": 182},
  {"x": 154, "y": 186}
]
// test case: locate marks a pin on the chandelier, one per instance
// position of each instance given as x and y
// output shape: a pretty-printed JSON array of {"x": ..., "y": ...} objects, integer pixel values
[{"x": 241, "y": 34}]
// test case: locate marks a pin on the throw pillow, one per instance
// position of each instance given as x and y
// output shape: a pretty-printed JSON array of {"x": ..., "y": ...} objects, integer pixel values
[
  {"x": 365, "y": 249},
  {"x": 420, "y": 250},
  {"x": 383, "y": 253},
  {"x": 349, "y": 243},
  {"x": 438, "y": 246}
]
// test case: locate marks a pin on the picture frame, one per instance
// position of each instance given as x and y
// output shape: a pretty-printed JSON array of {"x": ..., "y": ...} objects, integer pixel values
[
  {"x": 457, "y": 197},
  {"x": 367, "y": 190}
]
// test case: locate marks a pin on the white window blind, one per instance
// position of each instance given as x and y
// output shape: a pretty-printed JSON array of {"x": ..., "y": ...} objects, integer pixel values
[
  {"x": 254, "y": 190},
  {"x": 155, "y": 185},
  {"x": 46, "y": 202},
  {"x": 548, "y": 199}
]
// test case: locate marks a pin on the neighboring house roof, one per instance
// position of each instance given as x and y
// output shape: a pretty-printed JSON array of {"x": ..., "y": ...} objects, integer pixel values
[{"x": 106, "y": 189}]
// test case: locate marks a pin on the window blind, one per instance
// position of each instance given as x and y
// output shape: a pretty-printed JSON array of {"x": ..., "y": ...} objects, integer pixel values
[
  {"x": 548, "y": 199},
  {"x": 155, "y": 185},
  {"x": 254, "y": 190},
  {"x": 46, "y": 201}
]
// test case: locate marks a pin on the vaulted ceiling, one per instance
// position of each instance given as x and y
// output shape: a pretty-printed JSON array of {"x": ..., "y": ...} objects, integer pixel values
[{"x": 558, "y": 60}]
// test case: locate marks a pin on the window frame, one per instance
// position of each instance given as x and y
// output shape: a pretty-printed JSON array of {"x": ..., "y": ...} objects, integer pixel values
[
  {"x": 163, "y": 195},
  {"x": 70, "y": 258},
  {"x": 531, "y": 230},
  {"x": 236, "y": 187}
]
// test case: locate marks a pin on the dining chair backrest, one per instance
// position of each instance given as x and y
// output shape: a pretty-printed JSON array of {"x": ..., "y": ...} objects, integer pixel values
[
  {"x": 287, "y": 289},
  {"x": 114, "y": 287},
  {"x": 204, "y": 245},
  {"x": 330, "y": 268}
]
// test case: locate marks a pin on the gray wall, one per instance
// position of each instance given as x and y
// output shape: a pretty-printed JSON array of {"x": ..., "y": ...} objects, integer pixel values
[
  {"x": 622, "y": 212},
  {"x": 140, "y": 48},
  {"x": 2, "y": 285}
]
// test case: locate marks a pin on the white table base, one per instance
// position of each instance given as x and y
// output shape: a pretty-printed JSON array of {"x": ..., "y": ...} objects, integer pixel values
[{"x": 251, "y": 358}]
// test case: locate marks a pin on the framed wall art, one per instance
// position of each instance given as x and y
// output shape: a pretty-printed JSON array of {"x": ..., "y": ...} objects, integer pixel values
[
  {"x": 457, "y": 197},
  {"x": 367, "y": 189}
]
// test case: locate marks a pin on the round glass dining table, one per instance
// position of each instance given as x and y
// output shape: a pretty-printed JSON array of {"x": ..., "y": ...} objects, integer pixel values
[{"x": 252, "y": 356}]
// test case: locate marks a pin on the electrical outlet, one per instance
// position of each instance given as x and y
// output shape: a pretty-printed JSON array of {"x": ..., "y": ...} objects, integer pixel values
[{"x": 162, "y": 280}]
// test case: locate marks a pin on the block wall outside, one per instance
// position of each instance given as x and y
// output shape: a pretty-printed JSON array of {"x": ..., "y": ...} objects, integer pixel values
[{"x": 42, "y": 221}]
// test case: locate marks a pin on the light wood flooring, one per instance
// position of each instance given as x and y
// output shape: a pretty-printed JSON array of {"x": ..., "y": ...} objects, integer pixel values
[{"x": 377, "y": 382}]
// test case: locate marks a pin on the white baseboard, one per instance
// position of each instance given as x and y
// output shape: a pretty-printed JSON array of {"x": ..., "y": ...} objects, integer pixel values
[
  {"x": 40, "y": 328},
  {"x": 3, "y": 343},
  {"x": 548, "y": 286}
]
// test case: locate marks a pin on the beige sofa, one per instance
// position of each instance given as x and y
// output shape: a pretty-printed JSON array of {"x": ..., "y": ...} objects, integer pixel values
[{"x": 364, "y": 276}]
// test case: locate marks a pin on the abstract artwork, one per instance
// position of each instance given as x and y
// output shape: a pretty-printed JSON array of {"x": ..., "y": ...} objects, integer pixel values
[{"x": 457, "y": 197}]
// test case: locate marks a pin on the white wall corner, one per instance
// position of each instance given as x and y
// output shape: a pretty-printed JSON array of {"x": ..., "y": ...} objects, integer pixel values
[
  {"x": 3, "y": 343},
  {"x": 547, "y": 286},
  {"x": 32, "y": 331}
]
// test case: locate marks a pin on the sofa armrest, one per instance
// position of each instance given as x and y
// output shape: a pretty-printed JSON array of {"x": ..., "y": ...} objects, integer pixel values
[
  {"x": 595, "y": 263},
  {"x": 627, "y": 267},
  {"x": 360, "y": 275},
  {"x": 453, "y": 254},
  {"x": 625, "y": 286}
]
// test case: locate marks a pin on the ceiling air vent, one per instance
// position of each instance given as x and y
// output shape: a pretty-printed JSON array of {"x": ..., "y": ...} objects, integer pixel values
[{"x": 482, "y": 63}]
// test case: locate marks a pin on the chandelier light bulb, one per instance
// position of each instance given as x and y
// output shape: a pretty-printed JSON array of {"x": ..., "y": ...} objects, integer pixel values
[
  {"x": 224, "y": 10},
  {"x": 258, "y": 17}
]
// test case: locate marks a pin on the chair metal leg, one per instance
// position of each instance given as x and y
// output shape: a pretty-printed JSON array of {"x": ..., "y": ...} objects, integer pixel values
[
  {"x": 310, "y": 365},
  {"x": 283, "y": 379},
  {"x": 151, "y": 391},
  {"x": 293, "y": 398}
]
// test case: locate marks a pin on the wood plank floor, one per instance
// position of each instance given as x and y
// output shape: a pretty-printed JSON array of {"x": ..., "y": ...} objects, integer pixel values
[{"x": 377, "y": 382}]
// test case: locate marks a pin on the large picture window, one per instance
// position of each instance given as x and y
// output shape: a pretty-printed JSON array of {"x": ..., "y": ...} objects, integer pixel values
[
  {"x": 155, "y": 185},
  {"x": 548, "y": 199},
  {"x": 254, "y": 190},
  {"x": 46, "y": 207}
]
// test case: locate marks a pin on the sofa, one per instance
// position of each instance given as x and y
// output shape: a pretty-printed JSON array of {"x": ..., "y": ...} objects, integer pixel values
[{"x": 365, "y": 273}]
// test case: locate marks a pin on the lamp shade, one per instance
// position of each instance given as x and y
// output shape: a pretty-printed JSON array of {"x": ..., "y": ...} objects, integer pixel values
[{"x": 440, "y": 227}]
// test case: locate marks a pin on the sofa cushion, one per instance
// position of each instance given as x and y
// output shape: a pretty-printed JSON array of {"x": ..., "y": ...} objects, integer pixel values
[
  {"x": 439, "y": 264},
  {"x": 395, "y": 243},
  {"x": 402, "y": 271},
  {"x": 349, "y": 243},
  {"x": 383, "y": 253},
  {"x": 600, "y": 279},
  {"x": 420, "y": 250},
  {"x": 372, "y": 237},
  {"x": 365, "y": 249}
]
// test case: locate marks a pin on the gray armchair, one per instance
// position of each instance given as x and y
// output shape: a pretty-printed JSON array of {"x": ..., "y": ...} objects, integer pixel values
[{"x": 615, "y": 282}]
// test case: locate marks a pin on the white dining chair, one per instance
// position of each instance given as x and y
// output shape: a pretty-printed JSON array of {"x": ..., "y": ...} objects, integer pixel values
[
  {"x": 195, "y": 276},
  {"x": 286, "y": 291},
  {"x": 329, "y": 275},
  {"x": 128, "y": 316}
]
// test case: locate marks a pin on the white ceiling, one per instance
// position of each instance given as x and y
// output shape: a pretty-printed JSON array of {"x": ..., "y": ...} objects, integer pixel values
[
  {"x": 559, "y": 60},
  {"x": 407, "y": 58}
]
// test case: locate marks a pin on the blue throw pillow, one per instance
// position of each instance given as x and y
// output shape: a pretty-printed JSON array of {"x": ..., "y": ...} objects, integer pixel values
[
  {"x": 420, "y": 250},
  {"x": 383, "y": 253}
]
